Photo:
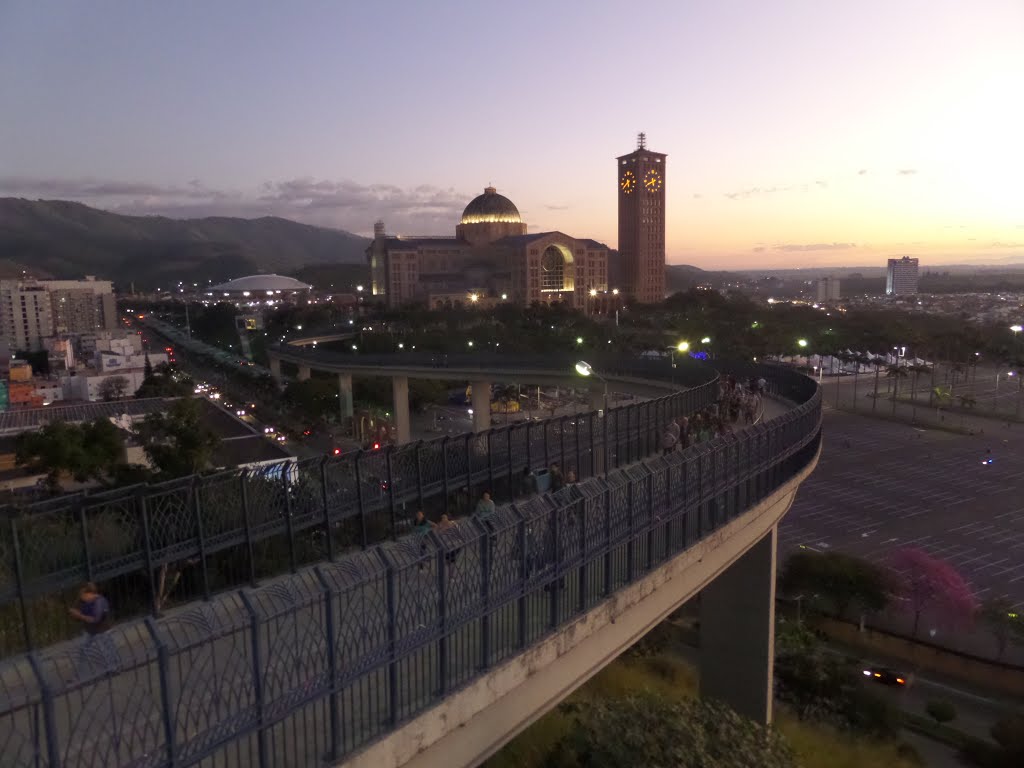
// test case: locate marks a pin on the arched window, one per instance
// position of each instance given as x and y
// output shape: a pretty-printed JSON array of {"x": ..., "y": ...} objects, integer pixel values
[{"x": 552, "y": 269}]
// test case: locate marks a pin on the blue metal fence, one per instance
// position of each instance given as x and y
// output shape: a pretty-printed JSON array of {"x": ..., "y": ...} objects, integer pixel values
[
  {"x": 151, "y": 546},
  {"x": 312, "y": 666}
]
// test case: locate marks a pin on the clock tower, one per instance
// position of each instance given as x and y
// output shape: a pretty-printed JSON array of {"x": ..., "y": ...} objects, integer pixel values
[{"x": 641, "y": 189}]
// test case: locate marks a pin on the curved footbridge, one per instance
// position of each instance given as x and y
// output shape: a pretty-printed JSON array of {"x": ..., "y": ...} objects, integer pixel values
[{"x": 436, "y": 649}]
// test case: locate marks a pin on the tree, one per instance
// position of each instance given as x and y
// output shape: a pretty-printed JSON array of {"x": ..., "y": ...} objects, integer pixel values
[
  {"x": 178, "y": 442},
  {"x": 940, "y": 710},
  {"x": 88, "y": 451},
  {"x": 842, "y": 579},
  {"x": 113, "y": 388},
  {"x": 147, "y": 369},
  {"x": 653, "y": 731},
  {"x": 316, "y": 399},
  {"x": 164, "y": 382},
  {"x": 926, "y": 582},
  {"x": 1003, "y": 622}
]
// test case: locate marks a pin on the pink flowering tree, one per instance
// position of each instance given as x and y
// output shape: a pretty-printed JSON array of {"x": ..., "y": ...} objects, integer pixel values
[{"x": 927, "y": 583}]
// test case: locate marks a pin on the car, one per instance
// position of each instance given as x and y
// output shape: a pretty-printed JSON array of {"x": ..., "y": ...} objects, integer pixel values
[{"x": 885, "y": 675}]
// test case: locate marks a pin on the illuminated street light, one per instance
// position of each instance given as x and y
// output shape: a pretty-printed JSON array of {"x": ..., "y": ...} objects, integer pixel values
[
  {"x": 474, "y": 297},
  {"x": 706, "y": 340},
  {"x": 579, "y": 339},
  {"x": 593, "y": 291},
  {"x": 359, "y": 288},
  {"x": 1016, "y": 329},
  {"x": 615, "y": 291},
  {"x": 504, "y": 297},
  {"x": 583, "y": 368},
  {"x": 401, "y": 345},
  {"x": 683, "y": 346},
  {"x": 801, "y": 343}
]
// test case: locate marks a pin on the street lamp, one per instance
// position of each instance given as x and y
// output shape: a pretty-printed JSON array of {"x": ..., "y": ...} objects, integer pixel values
[
  {"x": 706, "y": 340},
  {"x": 579, "y": 340},
  {"x": 802, "y": 343},
  {"x": 583, "y": 368},
  {"x": 683, "y": 346},
  {"x": 1016, "y": 329}
]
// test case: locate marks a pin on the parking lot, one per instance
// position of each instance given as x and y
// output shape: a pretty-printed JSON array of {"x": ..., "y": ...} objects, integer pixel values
[{"x": 881, "y": 486}]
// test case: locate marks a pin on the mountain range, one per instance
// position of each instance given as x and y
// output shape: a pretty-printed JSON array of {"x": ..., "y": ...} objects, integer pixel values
[{"x": 59, "y": 239}]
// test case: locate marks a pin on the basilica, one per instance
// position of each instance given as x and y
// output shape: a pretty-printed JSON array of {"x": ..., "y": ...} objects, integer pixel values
[{"x": 491, "y": 259}]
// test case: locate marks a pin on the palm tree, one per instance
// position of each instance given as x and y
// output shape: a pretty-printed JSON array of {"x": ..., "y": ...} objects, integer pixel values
[
  {"x": 941, "y": 395},
  {"x": 917, "y": 369},
  {"x": 860, "y": 360},
  {"x": 896, "y": 372},
  {"x": 878, "y": 362}
]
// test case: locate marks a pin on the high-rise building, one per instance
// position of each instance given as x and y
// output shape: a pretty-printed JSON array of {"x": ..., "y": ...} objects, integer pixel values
[
  {"x": 828, "y": 289},
  {"x": 26, "y": 314},
  {"x": 32, "y": 310},
  {"x": 641, "y": 181},
  {"x": 901, "y": 276}
]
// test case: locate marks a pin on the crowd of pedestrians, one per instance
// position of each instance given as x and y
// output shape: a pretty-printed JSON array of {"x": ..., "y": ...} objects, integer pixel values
[{"x": 738, "y": 402}]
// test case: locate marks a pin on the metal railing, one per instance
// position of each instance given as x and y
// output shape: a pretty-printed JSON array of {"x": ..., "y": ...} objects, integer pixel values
[
  {"x": 309, "y": 668},
  {"x": 151, "y": 546}
]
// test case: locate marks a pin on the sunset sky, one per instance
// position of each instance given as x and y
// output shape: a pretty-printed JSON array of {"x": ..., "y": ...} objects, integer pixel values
[{"x": 798, "y": 133}]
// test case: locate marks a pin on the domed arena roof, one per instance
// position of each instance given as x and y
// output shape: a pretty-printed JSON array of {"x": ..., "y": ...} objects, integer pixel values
[
  {"x": 264, "y": 283},
  {"x": 490, "y": 207}
]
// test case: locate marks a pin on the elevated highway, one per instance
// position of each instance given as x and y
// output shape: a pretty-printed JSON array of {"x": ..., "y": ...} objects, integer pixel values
[{"x": 436, "y": 649}]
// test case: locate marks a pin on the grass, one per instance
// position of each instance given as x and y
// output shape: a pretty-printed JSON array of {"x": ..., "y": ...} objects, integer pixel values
[
  {"x": 821, "y": 746},
  {"x": 816, "y": 745}
]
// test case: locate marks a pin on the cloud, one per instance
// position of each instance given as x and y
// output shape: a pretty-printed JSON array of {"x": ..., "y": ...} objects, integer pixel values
[
  {"x": 794, "y": 248},
  {"x": 89, "y": 187},
  {"x": 862, "y": 171},
  {"x": 557, "y": 207},
  {"x": 907, "y": 171},
  {"x": 343, "y": 204},
  {"x": 1000, "y": 244},
  {"x": 759, "y": 249},
  {"x": 755, "y": 192},
  {"x": 697, "y": 196}
]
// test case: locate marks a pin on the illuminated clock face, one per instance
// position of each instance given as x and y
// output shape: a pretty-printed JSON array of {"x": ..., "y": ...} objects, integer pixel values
[
  {"x": 652, "y": 181},
  {"x": 628, "y": 182}
]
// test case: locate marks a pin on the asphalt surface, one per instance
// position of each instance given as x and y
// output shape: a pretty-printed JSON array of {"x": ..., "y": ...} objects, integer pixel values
[{"x": 881, "y": 486}]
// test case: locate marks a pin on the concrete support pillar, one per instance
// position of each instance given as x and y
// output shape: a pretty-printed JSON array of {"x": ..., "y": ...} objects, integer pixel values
[
  {"x": 737, "y": 633},
  {"x": 597, "y": 396},
  {"x": 275, "y": 369},
  {"x": 304, "y": 373},
  {"x": 400, "y": 393},
  {"x": 480, "y": 402},
  {"x": 345, "y": 395}
]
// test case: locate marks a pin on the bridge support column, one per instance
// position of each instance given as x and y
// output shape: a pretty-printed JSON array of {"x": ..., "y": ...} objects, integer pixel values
[
  {"x": 304, "y": 373},
  {"x": 737, "y": 632},
  {"x": 345, "y": 402},
  {"x": 400, "y": 394},
  {"x": 480, "y": 401},
  {"x": 598, "y": 397},
  {"x": 275, "y": 370}
]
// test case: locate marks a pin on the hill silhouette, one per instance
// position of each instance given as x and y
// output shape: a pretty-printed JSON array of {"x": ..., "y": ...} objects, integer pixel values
[{"x": 62, "y": 239}]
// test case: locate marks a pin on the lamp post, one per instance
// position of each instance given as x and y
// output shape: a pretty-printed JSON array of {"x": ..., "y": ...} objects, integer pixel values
[
  {"x": 583, "y": 368},
  {"x": 682, "y": 346}
]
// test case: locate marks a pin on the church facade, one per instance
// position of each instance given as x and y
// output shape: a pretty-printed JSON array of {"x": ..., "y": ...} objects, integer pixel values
[{"x": 491, "y": 258}]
